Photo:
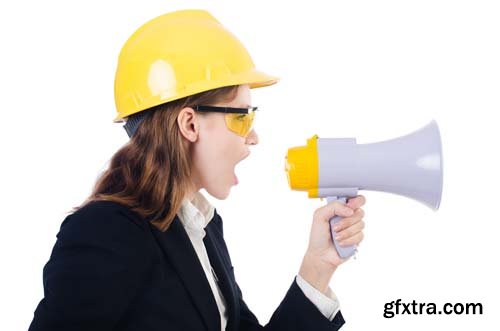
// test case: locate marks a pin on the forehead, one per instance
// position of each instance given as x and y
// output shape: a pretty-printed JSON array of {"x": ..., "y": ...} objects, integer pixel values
[{"x": 243, "y": 97}]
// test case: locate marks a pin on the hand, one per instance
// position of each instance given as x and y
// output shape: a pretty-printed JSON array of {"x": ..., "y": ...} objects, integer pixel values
[{"x": 321, "y": 258}]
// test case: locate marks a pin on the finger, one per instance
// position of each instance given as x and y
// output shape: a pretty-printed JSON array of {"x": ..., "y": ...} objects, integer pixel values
[
  {"x": 349, "y": 221},
  {"x": 354, "y": 240},
  {"x": 350, "y": 231},
  {"x": 332, "y": 209},
  {"x": 338, "y": 208},
  {"x": 356, "y": 202}
]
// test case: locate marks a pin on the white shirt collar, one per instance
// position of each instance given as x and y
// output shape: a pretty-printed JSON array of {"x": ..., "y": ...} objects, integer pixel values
[{"x": 196, "y": 214}]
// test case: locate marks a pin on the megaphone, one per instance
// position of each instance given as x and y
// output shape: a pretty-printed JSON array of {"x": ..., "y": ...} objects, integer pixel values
[{"x": 337, "y": 168}]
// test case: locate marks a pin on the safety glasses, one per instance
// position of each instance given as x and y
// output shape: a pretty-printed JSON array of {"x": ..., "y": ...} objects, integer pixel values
[{"x": 238, "y": 120}]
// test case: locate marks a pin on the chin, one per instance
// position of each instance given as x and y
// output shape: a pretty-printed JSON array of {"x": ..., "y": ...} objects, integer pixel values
[{"x": 220, "y": 194}]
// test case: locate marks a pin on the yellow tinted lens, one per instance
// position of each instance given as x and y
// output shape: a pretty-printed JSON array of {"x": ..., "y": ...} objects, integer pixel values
[{"x": 240, "y": 124}]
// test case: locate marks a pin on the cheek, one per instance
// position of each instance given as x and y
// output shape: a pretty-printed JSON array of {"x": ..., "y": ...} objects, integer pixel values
[
  {"x": 222, "y": 144},
  {"x": 213, "y": 156}
]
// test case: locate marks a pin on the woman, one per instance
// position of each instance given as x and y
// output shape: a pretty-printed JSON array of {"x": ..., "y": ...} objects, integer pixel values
[{"x": 146, "y": 250}]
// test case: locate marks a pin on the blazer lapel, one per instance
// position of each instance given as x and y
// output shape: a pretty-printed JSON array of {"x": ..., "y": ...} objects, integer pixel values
[
  {"x": 225, "y": 282},
  {"x": 177, "y": 246}
]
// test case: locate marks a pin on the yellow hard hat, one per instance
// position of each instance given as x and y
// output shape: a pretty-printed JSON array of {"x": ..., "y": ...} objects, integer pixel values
[{"x": 180, "y": 54}]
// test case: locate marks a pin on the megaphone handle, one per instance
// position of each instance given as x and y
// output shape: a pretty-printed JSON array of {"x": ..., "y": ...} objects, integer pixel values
[{"x": 344, "y": 251}]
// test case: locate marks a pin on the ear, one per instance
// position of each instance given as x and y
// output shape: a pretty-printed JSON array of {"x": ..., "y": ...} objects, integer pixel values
[{"x": 187, "y": 120}]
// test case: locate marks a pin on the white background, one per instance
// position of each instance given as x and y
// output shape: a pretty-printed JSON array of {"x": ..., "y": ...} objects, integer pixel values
[{"x": 373, "y": 70}]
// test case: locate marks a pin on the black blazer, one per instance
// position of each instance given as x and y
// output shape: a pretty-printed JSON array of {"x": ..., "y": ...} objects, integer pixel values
[{"x": 110, "y": 269}]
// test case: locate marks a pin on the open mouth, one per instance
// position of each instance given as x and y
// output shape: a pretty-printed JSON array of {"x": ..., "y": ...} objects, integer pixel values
[{"x": 235, "y": 178}]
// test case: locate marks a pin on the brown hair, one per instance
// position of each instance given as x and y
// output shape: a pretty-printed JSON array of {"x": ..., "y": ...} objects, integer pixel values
[{"x": 152, "y": 171}]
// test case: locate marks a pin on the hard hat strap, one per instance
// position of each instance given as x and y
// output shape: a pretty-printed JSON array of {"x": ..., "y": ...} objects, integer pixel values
[{"x": 133, "y": 122}]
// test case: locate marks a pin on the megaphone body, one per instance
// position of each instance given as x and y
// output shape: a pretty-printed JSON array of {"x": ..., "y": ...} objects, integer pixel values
[{"x": 337, "y": 168}]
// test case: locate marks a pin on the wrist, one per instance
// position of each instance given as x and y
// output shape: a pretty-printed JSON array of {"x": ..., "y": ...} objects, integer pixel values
[{"x": 316, "y": 272}]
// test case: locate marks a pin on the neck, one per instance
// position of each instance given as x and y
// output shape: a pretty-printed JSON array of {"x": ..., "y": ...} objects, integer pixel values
[
  {"x": 192, "y": 189},
  {"x": 190, "y": 193}
]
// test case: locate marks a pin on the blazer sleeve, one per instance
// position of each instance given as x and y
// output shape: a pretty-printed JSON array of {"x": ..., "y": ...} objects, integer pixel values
[
  {"x": 295, "y": 312},
  {"x": 95, "y": 269}
]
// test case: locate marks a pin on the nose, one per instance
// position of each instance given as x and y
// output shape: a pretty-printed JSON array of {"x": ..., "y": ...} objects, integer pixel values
[{"x": 252, "y": 138}]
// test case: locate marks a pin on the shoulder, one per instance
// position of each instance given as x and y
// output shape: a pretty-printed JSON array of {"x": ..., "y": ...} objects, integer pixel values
[
  {"x": 105, "y": 252},
  {"x": 103, "y": 220},
  {"x": 105, "y": 208}
]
